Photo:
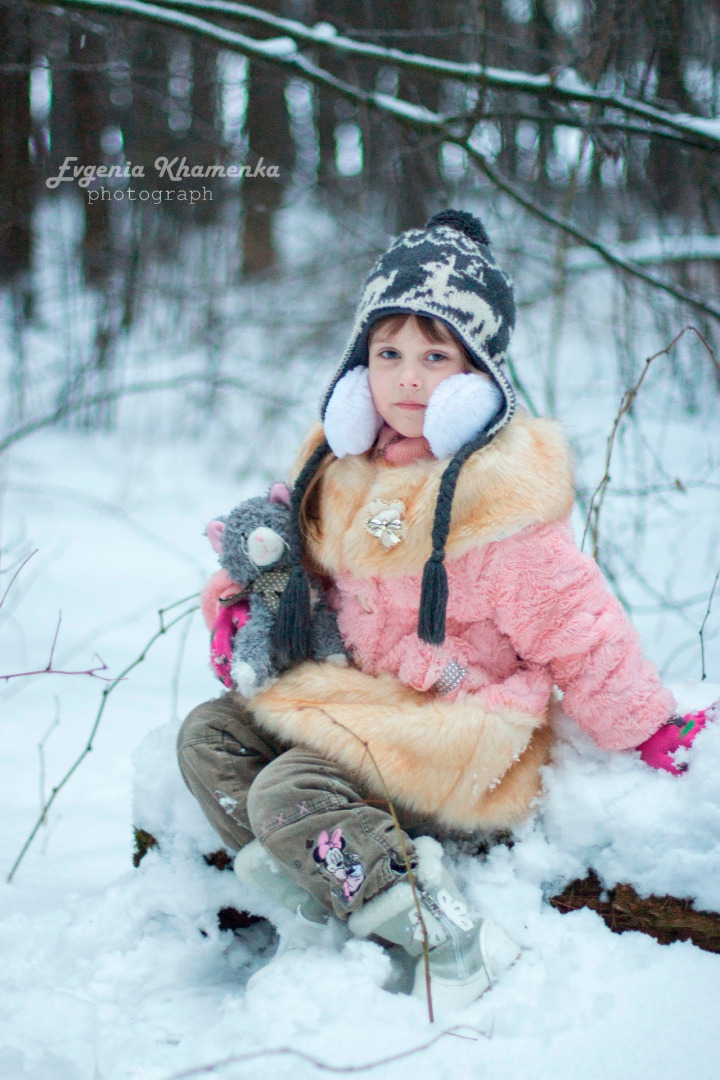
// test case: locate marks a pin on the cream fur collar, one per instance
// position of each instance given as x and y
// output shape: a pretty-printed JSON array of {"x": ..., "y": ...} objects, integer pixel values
[{"x": 523, "y": 477}]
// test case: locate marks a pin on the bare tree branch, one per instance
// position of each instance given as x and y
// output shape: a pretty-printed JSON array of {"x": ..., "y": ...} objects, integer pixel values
[
  {"x": 606, "y": 253},
  {"x": 650, "y": 251},
  {"x": 457, "y": 130},
  {"x": 93, "y": 672},
  {"x": 323, "y": 1066},
  {"x": 592, "y": 522},
  {"x": 70, "y": 405},
  {"x": 162, "y": 630},
  {"x": 563, "y": 86},
  {"x": 595, "y": 125}
]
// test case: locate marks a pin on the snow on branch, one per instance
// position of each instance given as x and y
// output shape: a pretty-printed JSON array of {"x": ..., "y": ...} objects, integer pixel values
[
  {"x": 652, "y": 250},
  {"x": 452, "y": 129},
  {"x": 280, "y": 51},
  {"x": 564, "y": 86}
]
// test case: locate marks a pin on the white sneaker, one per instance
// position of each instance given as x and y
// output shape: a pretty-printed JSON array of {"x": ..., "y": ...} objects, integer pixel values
[
  {"x": 303, "y": 935},
  {"x": 467, "y": 954},
  {"x": 254, "y": 866},
  {"x": 313, "y": 926},
  {"x": 498, "y": 952}
]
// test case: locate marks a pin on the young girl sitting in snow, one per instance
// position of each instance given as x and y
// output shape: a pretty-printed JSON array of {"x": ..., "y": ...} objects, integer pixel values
[{"x": 440, "y": 514}]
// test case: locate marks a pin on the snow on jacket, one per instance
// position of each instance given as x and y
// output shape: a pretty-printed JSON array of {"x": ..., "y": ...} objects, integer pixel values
[{"x": 526, "y": 612}]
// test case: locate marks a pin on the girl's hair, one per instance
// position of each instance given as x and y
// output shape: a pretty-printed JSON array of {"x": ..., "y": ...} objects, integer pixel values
[
  {"x": 432, "y": 330},
  {"x": 309, "y": 510}
]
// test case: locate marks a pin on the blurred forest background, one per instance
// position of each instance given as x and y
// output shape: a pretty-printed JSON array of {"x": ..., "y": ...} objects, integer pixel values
[{"x": 585, "y": 133}]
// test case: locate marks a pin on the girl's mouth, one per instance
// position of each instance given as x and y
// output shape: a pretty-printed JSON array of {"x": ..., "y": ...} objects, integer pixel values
[{"x": 411, "y": 405}]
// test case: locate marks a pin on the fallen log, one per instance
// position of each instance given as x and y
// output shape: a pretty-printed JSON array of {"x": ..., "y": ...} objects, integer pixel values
[{"x": 665, "y": 918}]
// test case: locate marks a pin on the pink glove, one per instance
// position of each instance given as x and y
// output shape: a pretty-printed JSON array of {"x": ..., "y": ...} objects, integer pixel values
[
  {"x": 658, "y": 750},
  {"x": 216, "y": 587},
  {"x": 227, "y": 622}
]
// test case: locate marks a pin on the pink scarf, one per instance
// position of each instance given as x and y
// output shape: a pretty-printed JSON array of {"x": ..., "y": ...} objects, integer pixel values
[{"x": 397, "y": 449}]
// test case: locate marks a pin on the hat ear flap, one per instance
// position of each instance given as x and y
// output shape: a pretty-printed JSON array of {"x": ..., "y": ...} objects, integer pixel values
[
  {"x": 351, "y": 421},
  {"x": 459, "y": 409}
]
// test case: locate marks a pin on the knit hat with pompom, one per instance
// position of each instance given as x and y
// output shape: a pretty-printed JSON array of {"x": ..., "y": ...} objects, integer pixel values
[{"x": 445, "y": 271}]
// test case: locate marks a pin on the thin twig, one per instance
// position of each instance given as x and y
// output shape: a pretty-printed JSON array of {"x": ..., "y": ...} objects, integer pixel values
[
  {"x": 93, "y": 672},
  {"x": 19, "y": 569},
  {"x": 401, "y": 840},
  {"x": 68, "y": 407},
  {"x": 163, "y": 629},
  {"x": 703, "y": 675},
  {"x": 175, "y": 686},
  {"x": 592, "y": 521},
  {"x": 41, "y": 751},
  {"x": 289, "y": 1051}
]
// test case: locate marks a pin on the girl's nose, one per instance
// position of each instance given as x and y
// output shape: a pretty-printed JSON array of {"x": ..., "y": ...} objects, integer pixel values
[{"x": 409, "y": 376}]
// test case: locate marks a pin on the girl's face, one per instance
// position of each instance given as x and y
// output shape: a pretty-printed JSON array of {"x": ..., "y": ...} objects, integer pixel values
[{"x": 405, "y": 367}]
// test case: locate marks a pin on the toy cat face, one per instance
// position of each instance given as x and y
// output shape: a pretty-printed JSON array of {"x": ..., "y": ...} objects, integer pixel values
[{"x": 252, "y": 538}]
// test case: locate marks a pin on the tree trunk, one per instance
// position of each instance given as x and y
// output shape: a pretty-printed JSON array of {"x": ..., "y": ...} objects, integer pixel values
[{"x": 16, "y": 173}]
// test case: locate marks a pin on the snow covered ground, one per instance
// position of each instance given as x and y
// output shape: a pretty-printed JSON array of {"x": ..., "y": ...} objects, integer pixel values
[{"x": 110, "y": 972}]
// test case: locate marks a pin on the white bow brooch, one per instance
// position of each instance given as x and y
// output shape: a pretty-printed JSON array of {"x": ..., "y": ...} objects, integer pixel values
[{"x": 387, "y": 522}]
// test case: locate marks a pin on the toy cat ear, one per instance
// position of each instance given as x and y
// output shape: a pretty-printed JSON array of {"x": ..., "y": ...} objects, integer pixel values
[
  {"x": 214, "y": 533},
  {"x": 279, "y": 493}
]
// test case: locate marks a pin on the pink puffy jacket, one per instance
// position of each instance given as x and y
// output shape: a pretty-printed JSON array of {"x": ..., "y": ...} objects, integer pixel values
[{"x": 524, "y": 614}]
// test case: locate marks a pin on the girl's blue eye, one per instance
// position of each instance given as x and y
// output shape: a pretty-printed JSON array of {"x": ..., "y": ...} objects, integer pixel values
[{"x": 436, "y": 356}]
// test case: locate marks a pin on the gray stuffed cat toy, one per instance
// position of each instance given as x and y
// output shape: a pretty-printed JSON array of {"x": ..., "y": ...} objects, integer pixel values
[{"x": 251, "y": 542}]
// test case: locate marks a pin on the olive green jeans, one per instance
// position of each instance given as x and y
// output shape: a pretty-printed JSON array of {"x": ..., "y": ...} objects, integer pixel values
[{"x": 318, "y": 822}]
